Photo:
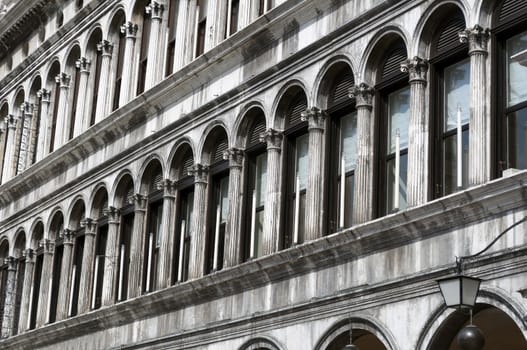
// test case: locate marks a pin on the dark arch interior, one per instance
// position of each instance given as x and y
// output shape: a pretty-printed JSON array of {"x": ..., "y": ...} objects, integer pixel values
[
  {"x": 57, "y": 224},
  {"x": 77, "y": 215},
  {"x": 335, "y": 86},
  {"x": 152, "y": 177},
  {"x": 499, "y": 330},
  {"x": 215, "y": 145},
  {"x": 363, "y": 339},
  {"x": 125, "y": 192},
  {"x": 100, "y": 202},
  {"x": 292, "y": 104},
  {"x": 182, "y": 162}
]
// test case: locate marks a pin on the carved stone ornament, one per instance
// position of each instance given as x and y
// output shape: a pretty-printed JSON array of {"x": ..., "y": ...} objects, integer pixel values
[
  {"x": 155, "y": 9},
  {"x": 315, "y": 118},
  {"x": 67, "y": 237},
  {"x": 89, "y": 225},
  {"x": 140, "y": 201},
  {"x": 10, "y": 121},
  {"x": 112, "y": 213},
  {"x": 477, "y": 39},
  {"x": 11, "y": 263},
  {"x": 48, "y": 245},
  {"x": 168, "y": 186},
  {"x": 234, "y": 156},
  {"x": 416, "y": 68},
  {"x": 129, "y": 29},
  {"x": 83, "y": 64},
  {"x": 44, "y": 95},
  {"x": 105, "y": 47},
  {"x": 27, "y": 109},
  {"x": 363, "y": 95},
  {"x": 30, "y": 256},
  {"x": 200, "y": 173},
  {"x": 273, "y": 138},
  {"x": 63, "y": 79}
]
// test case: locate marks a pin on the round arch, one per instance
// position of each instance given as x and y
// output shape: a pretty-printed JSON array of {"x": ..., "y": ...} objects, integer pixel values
[
  {"x": 94, "y": 32},
  {"x": 212, "y": 132},
  {"x": 176, "y": 155},
  {"x": 261, "y": 343},
  {"x": 19, "y": 242},
  {"x": 117, "y": 13},
  {"x": 36, "y": 233},
  {"x": 283, "y": 93},
  {"x": 55, "y": 213},
  {"x": 150, "y": 163},
  {"x": 322, "y": 77},
  {"x": 245, "y": 121},
  {"x": 94, "y": 202},
  {"x": 125, "y": 178}
]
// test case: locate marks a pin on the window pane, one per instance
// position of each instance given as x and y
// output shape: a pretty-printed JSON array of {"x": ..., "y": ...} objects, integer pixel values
[
  {"x": 349, "y": 140},
  {"x": 517, "y": 139},
  {"x": 398, "y": 111},
  {"x": 450, "y": 162},
  {"x": 261, "y": 178},
  {"x": 516, "y": 69},
  {"x": 302, "y": 145},
  {"x": 390, "y": 178},
  {"x": 457, "y": 94}
]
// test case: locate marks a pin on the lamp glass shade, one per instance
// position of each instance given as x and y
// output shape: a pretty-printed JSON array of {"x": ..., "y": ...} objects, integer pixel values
[{"x": 459, "y": 291}]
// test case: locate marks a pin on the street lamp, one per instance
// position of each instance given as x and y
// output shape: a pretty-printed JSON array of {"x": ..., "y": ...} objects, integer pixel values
[{"x": 460, "y": 292}]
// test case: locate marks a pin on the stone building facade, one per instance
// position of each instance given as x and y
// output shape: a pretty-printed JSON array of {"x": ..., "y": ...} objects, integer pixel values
[{"x": 260, "y": 174}]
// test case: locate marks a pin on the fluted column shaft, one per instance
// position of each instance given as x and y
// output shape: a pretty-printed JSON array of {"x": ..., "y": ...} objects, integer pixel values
[
  {"x": 27, "y": 288},
  {"x": 271, "y": 224},
  {"x": 363, "y": 191},
  {"x": 45, "y": 283},
  {"x": 233, "y": 229},
  {"x": 43, "y": 131},
  {"x": 244, "y": 17},
  {"x": 111, "y": 262},
  {"x": 197, "y": 238},
  {"x": 129, "y": 64},
  {"x": 418, "y": 133},
  {"x": 136, "y": 249},
  {"x": 61, "y": 131},
  {"x": 65, "y": 275},
  {"x": 164, "y": 268},
  {"x": 9, "y": 159},
  {"x": 27, "y": 114},
  {"x": 215, "y": 23},
  {"x": 314, "y": 192},
  {"x": 88, "y": 259},
  {"x": 479, "y": 129},
  {"x": 103, "y": 97},
  {"x": 32, "y": 135},
  {"x": 83, "y": 64},
  {"x": 154, "y": 72},
  {"x": 9, "y": 301},
  {"x": 185, "y": 26}
]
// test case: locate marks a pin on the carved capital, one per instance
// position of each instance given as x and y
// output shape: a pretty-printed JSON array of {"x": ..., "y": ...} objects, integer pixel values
[
  {"x": 363, "y": 95},
  {"x": 416, "y": 68},
  {"x": 83, "y": 64},
  {"x": 273, "y": 138},
  {"x": 105, "y": 47},
  {"x": 112, "y": 213},
  {"x": 11, "y": 262},
  {"x": 129, "y": 29},
  {"x": 477, "y": 39},
  {"x": 168, "y": 186},
  {"x": 44, "y": 95},
  {"x": 29, "y": 254},
  {"x": 67, "y": 237},
  {"x": 140, "y": 202},
  {"x": 234, "y": 156},
  {"x": 315, "y": 118},
  {"x": 63, "y": 79},
  {"x": 155, "y": 10},
  {"x": 89, "y": 226},
  {"x": 10, "y": 121},
  {"x": 48, "y": 245},
  {"x": 200, "y": 173},
  {"x": 27, "y": 109}
]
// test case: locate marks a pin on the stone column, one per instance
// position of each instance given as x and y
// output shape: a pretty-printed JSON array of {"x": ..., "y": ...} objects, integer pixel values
[
  {"x": 9, "y": 156},
  {"x": 27, "y": 116},
  {"x": 129, "y": 65},
  {"x": 479, "y": 127},
  {"x": 43, "y": 131},
  {"x": 418, "y": 133},
  {"x": 233, "y": 228},
  {"x": 65, "y": 275},
  {"x": 363, "y": 191},
  {"x": 197, "y": 238},
  {"x": 111, "y": 262},
  {"x": 61, "y": 135},
  {"x": 183, "y": 51},
  {"x": 164, "y": 268},
  {"x": 271, "y": 223},
  {"x": 136, "y": 249},
  {"x": 33, "y": 133},
  {"x": 244, "y": 17},
  {"x": 81, "y": 115},
  {"x": 27, "y": 290},
  {"x": 45, "y": 282},
  {"x": 314, "y": 193},
  {"x": 104, "y": 98},
  {"x": 88, "y": 259},
  {"x": 10, "y": 297},
  {"x": 215, "y": 23},
  {"x": 154, "y": 71}
]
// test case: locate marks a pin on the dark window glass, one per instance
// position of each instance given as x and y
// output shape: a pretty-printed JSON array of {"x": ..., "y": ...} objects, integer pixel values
[{"x": 126, "y": 225}]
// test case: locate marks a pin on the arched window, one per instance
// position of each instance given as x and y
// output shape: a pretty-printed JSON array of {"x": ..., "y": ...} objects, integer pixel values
[
  {"x": 20, "y": 246},
  {"x": 171, "y": 46},
  {"x": 218, "y": 207},
  {"x": 78, "y": 214},
  {"x": 394, "y": 94},
  {"x": 510, "y": 28},
  {"x": 201, "y": 27},
  {"x": 450, "y": 71},
  {"x": 73, "y": 93},
  {"x": 232, "y": 13},
  {"x": 4, "y": 112},
  {"x": 145, "y": 19},
  {"x": 54, "y": 87},
  {"x": 37, "y": 236},
  {"x": 256, "y": 184},
  {"x": 95, "y": 57},
  {"x": 117, "y": 38},
  {"x": 56, "y": 230},
  {"x": 342, "y": 145},
  {"x": 20, "y": 114},
  {"x": 125, "y": 202},
  {"x": 152, "y": 179},
  {"x": 4, "y": 253},
  {"x": 181, "y": 165},
  {"x": 99, "y": 213},
  {"x": 36, "y": 100}
]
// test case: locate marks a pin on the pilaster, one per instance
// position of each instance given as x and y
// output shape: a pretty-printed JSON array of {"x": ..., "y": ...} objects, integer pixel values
[
  {"x": 61, "y": 134},
  {"x": 129, "y": 29},
  {"x": 103, "y": 99},
  {"x": 232, "y": 257},
  {"x": 197, "y": 238},
  {"x": 88, "y": 259},
  {"x": 81, "y": 114},
  {"x": 164, "y": 268},
  {"x": 111, "y": 261},
  {"x": 154, "y": 71},
  {"x": 65, "y": 275},
  {"x": 45, "y": 282},
  {"x": 136, "y": 249}
]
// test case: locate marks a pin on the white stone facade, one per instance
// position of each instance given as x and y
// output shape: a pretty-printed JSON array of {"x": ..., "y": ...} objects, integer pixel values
[{"x": 181, "y": 186}]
